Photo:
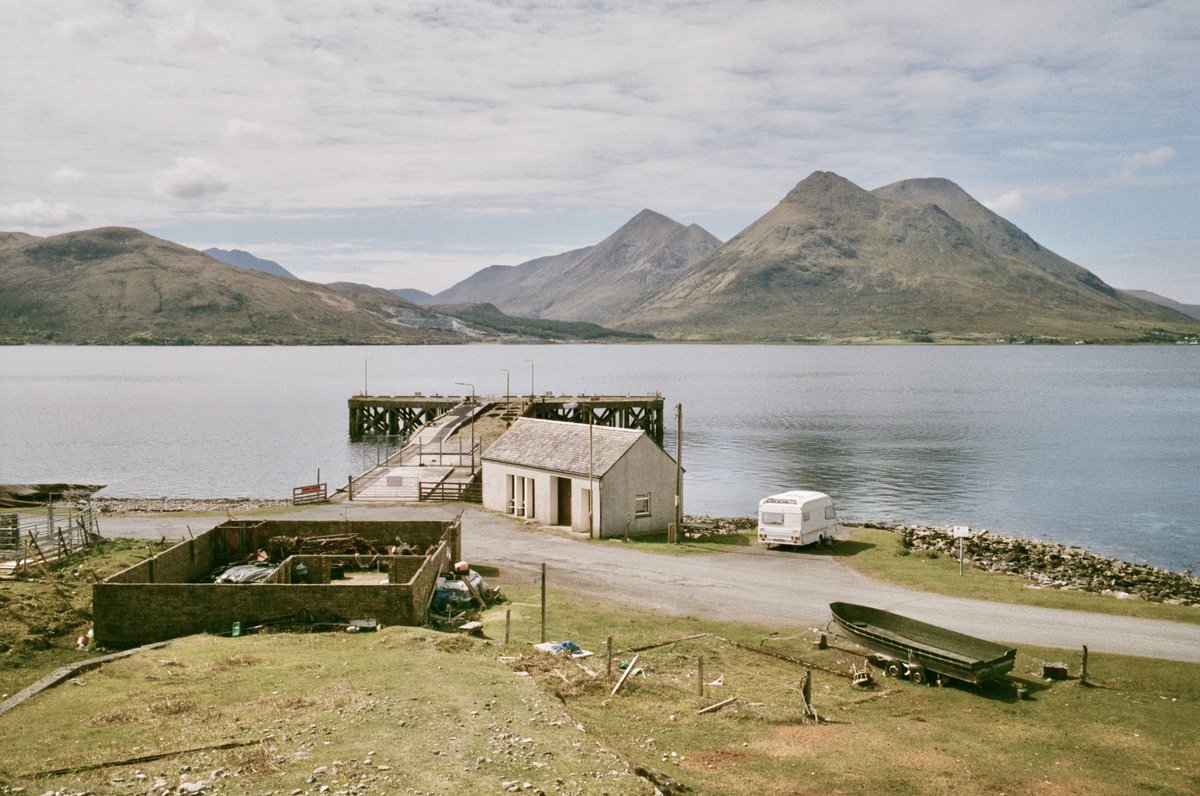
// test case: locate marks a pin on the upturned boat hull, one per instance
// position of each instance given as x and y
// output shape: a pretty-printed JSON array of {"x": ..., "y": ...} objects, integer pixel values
[{"x": 919, "y": 644}]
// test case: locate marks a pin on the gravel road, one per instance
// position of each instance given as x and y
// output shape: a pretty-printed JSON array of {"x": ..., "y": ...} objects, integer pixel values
[{"x": 776, "y": 588}]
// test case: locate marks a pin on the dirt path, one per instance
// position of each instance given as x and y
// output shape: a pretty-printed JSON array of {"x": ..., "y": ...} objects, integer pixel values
[{"x": 776, "y": 588}]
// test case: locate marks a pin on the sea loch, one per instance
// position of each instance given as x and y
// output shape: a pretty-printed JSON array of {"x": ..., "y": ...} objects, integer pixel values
[{"x": 1095, "y": 446}]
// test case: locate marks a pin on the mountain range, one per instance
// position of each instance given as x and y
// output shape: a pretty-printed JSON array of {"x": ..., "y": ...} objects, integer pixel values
[
  {"x": 917, "y": 260},
  {"x": 247, "y": 260},
  {"x": 117, "y": 285},
  {"x": 595, "y": 283}
]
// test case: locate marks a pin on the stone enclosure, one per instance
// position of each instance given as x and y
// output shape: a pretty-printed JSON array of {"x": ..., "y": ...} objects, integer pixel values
[{"x": 170, "y": 595}]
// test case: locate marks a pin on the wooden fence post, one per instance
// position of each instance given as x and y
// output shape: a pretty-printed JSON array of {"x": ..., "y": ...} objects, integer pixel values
[
  {"x": 543, "y": 603},
  {"x": 700, "y": 675}
]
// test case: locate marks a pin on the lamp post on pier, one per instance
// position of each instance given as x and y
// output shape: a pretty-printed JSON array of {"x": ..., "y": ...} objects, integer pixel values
[
  {"x": 531, "y": 390},
  {"x": 472, "y": 386},
  {"x": 507, "y": 385}
]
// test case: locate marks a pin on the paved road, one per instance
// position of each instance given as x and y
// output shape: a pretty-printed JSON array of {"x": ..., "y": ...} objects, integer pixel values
[{"x": 775, "y": 588}]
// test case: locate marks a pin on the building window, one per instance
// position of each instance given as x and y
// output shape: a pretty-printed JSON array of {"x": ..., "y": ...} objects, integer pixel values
[{"x": 641, "y": 505}]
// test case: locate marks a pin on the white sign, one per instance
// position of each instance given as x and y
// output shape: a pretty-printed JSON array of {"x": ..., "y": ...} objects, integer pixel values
[{"x": 962, "y": 532}]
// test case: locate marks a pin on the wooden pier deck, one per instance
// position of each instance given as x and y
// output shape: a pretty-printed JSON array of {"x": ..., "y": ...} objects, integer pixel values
[{"x": 403, "y": 415}]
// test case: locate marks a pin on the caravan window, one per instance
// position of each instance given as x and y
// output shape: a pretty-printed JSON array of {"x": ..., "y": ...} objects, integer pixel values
[
  {"x": 830, "y": 514},
  {"x": 772, "y": 518},
  {"x": 804, "y": 517}
]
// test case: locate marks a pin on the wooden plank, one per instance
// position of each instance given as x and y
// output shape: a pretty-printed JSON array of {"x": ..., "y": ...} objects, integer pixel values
[
  {"x": 624, "y": 675},
  {"x": 717, "y": 706}
]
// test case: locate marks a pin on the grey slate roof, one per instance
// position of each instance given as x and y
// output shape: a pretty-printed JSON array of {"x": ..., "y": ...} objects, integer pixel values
[{"x": 562, "y": 447}]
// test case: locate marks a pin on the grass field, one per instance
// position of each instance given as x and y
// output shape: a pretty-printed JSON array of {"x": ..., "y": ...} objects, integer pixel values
[{"x": 409, "y": 710}]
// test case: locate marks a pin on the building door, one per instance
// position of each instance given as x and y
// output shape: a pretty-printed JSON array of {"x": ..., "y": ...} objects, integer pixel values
[{"x": 564, "y": 501}]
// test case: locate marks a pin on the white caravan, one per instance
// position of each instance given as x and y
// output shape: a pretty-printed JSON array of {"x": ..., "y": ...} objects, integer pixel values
[{"x": 796, "y": 518}]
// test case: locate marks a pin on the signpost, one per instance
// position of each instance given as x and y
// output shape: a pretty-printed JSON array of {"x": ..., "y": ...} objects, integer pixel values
[{"x": 961, "y": 532}]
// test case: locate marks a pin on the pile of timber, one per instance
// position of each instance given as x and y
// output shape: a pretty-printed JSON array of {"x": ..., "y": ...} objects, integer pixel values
[{"x": 345, "y": 544}]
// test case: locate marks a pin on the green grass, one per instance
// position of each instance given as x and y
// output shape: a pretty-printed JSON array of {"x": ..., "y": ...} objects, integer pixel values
[
  {"x": 657, "y": 543},
  {"x": 41, "y": 617},
  {"x": 1133, "y": 730},
  {"x": 410, "y": 710},
  {"x": 879, "y": 554}
]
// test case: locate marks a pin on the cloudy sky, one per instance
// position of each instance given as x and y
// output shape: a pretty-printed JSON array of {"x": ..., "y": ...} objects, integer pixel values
[{"x": 408, "y": 144}]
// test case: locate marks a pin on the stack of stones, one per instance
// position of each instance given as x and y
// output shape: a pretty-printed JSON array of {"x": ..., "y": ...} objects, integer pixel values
[
  {"x": 1057, "y": 566},
  {"x": 703, "y": 525}
]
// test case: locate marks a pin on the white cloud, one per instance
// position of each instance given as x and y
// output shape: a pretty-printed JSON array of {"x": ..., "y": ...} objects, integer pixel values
[
  {"x": 67, "y": 174},
  {"x": 243, "y": 131},
  {"x": 39, "y": 213},
  {"x": 1007, "y": 202},
  {"x": 189, "y": 33},
  {"x": 192, "y": 178},
  {"x": 1131, "y": 166}
]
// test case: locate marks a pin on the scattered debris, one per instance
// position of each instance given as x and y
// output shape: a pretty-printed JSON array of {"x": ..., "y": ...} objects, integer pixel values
[
  {"x": 344, "y": 544},
  {"x": 245, "y": 573},
  {"x": 461, "y": 591},
  {"x": 861, "y": 678},
  {"x": 563, "y": 648},
  {"x": 1055, "y": 671},
  {"x": 717, "y": 706},
  {"x": 625, "y": 675}
]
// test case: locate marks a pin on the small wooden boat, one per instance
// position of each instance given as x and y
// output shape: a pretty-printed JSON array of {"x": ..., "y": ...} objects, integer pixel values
[{"x": 922, "y": 651}]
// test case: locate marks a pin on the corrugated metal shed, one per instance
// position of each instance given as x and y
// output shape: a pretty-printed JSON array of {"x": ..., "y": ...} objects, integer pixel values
[{"x": 562, "y": 447}]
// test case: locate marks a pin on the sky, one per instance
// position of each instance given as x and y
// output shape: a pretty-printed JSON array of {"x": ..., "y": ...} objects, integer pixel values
[{"x": 409, "y": 144}]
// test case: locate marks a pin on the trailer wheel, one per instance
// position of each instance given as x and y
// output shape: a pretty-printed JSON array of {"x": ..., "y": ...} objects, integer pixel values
[
  {"x": 893, "y": 669},
  {"x": 917, "y": 676}
]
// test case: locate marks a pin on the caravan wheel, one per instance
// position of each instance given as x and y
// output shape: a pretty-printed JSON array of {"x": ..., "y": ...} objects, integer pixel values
[
  {"x": 894, "y": 669},
  {"x": 917, "y": 675}
]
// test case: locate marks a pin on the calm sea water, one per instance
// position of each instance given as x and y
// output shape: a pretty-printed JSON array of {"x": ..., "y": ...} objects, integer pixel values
[{"x": 1095, "y": 446}]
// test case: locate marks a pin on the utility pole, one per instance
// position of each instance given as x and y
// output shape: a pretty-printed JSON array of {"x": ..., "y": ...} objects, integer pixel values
[
  {"x": 678, "y": 470},
  {"x": 472, "y": 386},
  {"x": 591, "y": 481}
]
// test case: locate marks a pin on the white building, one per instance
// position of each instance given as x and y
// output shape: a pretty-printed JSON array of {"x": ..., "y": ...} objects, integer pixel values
[{"x": 547, "y": 470}]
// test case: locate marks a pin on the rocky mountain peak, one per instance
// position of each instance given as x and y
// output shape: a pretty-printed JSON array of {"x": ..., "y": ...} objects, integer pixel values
[{"x": 828, "y": 192}]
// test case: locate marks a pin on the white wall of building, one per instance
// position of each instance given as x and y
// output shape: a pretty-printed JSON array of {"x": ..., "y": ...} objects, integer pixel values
[
  {"x": 646, "y": 471},
  {"x": 644, "y": 475}
]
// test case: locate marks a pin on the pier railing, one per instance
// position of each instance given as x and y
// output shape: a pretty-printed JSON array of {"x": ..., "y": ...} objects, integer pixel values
[{"x": 469, "y": 491}]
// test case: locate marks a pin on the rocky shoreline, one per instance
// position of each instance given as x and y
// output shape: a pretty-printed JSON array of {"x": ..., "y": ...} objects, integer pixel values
[
  {"x": 1051, "y": 565},
  {"x": 165, "y": 505},
  {"x": 1046, "y": 565}
]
